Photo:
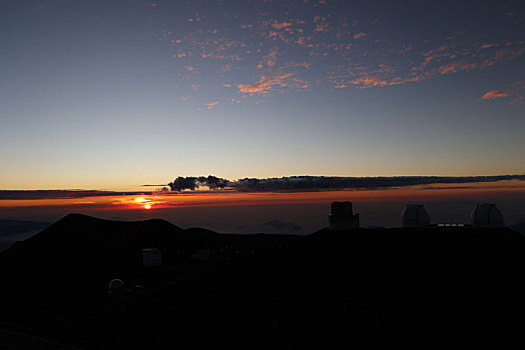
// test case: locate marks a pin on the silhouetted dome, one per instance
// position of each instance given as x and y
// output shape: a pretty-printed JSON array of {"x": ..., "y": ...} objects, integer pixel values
[
  {"x": 486, "y": 214},
  {"x": 414, "y": 215},
  {"x": 116, "y": 286}
]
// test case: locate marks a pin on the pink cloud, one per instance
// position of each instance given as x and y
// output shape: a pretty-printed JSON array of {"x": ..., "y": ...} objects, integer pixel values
[
  {"x": 322, "y": 27},
  {"x": 261, "y": 46},
  {"x": 486, "y": 46},
  {"x": 271, "y": 59},
  {"x": 430, "y": 52},
  {"x": 515, "y": 93},
  {"x": 493, "y": 94},
  {"x": 265, "y": 84},
  {"x": 367, "y": 82},
  {"x": 449, "y": 68},
  {"x": 406, "y": 49},
  {"x": 282, "y": 25},
  {"x": 212, "y": 104}
]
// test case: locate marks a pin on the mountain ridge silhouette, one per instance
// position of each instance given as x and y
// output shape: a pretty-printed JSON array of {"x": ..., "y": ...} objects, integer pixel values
[{"x": 329, "y": 284}]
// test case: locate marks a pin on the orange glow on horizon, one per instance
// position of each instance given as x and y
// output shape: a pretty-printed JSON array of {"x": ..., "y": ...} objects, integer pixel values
[{"x": 421, "y": 193}]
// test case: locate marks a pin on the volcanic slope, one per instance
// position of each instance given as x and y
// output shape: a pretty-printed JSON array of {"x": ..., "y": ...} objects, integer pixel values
[{"x": 279, "y": 289}]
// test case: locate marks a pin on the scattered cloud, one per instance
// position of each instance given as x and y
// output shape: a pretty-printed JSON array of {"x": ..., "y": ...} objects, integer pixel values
[
  {"x": 515, "y": 94},
  {"x": 367, "y": 82},
  {"x": 265, "y": 84},
  {"x": 329, "y": 44},
  {"x": 212, "y": 104},
  {"x": 276, "y": 25},
  {"x": 491, "y": 95},
  {"x": 487, "y": 46}
]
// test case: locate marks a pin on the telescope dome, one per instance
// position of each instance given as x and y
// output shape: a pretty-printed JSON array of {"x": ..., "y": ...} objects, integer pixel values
[
  {"x": 414, "y": 215},
  {"x": 486, "y": 214}
]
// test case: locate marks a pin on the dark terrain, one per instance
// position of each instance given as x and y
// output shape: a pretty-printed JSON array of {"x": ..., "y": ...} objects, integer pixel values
[{"x": 378, "y": 286}]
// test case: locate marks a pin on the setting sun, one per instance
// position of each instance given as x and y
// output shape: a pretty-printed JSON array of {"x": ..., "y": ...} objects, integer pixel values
[{"x": 147, "y": 206}]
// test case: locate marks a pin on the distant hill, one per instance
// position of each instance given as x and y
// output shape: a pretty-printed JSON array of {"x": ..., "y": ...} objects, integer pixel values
[
  {"x": 519, "y": 227},
  {"x": 278, "y": 289},
  {"x": 10, "y": 227}
]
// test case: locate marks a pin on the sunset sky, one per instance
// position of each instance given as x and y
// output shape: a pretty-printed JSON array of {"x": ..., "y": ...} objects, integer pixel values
[
  {"x": 114, "y": 94},
  {"x": 111, "y": 95}
]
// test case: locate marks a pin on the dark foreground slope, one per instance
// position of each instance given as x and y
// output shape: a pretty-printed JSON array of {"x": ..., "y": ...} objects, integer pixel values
[{"x": 261, "y": 291}]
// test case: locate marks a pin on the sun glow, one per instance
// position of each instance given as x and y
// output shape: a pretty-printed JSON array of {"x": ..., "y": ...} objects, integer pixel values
[{"x": 144, "y": 202}]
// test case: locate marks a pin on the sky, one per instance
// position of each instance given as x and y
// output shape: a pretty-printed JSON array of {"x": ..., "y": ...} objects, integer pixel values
[
  {"x": 115, "y": 94},
  {"x": 112, "y": 95}
]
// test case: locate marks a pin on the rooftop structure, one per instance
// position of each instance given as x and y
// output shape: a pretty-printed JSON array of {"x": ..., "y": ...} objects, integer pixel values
[
  {"x": 151, "y": 257},
  {"x": 342, "y": 217}
]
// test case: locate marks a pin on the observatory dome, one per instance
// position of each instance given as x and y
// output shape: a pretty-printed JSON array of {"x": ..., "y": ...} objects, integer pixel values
[
  {"x": 116, "y": 286},
  {"x": 486, "y": 214},
  {"x": 414, "y": 215}
]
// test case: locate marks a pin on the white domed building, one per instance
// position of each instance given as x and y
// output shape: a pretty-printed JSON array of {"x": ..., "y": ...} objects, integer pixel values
[
  {"x": 415, "y": 215},
  {"x": 486, "y": 214}
]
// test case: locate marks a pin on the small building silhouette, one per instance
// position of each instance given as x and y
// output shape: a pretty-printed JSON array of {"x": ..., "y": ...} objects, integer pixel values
[
  {"x": 414, "y": 215},
  {"x": 151, "y": 257},
  {"x": 202, "y": 255},
  {"x": 341, "y": 216},
  {"x": 486, "y": 214}
]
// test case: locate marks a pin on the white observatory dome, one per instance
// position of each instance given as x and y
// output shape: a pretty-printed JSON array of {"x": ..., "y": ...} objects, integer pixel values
[
  {"x": 486, "y": 214},
  {"x": 414, "y": 215},
  {"x": 116, "y": 286}
]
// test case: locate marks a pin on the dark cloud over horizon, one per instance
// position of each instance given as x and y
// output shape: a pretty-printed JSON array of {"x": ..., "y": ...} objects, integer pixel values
[
  {"x": 320, "y": 183},
  {"x": 282, "y": 184},
  {"x": 62, "y": 194}
]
